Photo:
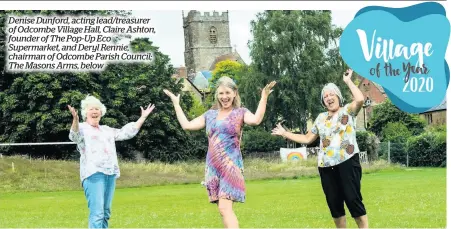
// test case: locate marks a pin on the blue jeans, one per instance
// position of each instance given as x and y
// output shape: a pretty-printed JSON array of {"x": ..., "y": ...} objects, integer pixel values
[{"x": 99, "y": 191}]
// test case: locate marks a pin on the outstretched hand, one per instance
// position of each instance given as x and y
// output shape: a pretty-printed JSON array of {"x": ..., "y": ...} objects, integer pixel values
[
  {"x": 73, "y": 112},
  {"x": 268, "y": 89},
  {"x": 175, "y": 99},
  {"x": 147, "y": 111},
  {"x": 279, "y": 130},
  {"x": 347, "y": 75}
]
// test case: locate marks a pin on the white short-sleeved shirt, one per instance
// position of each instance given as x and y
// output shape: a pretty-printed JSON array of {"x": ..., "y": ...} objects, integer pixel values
[
  {"x": 98, "y": 149},
  {"x": 337, "y": 135}
]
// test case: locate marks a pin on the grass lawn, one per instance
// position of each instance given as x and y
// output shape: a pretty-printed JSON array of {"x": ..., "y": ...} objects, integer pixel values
[{"x": 394, "y": 198}]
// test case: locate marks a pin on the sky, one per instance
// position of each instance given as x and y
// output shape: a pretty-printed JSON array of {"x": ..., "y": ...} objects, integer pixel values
[{"x": 169, "y": 31}]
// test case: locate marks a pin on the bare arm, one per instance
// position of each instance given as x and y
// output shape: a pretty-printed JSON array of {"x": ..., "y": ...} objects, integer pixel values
[
  {"x": 139, "y": 123},
  {"x": 256, "y": 119},
  {"x": 358, "y": 100},
  {"x": 299, "y": 138},
  {"x": 195, "y": 124}
]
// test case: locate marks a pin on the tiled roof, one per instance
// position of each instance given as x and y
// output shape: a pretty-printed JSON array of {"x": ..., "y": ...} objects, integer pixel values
[{"x": 441, "y": 106}]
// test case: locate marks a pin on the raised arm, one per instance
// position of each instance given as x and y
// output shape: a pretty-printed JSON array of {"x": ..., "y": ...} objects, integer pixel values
[
  {"x": 74, "y": 134},
  {"x": 256, "y": 119},
  {"x": 195, "y": 124},
  {"x": 144, "y": 114},
  {"x": 358, "y": 97},
  {"x": 130, "y": 130},
  {"x": 299, "y": 138},
  {"x": 75, "y": 119}
]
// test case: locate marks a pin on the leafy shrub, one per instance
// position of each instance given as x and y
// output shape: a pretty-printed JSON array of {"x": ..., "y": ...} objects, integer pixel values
[
  {"x": 367, "y": 141},
  {"x": 429, "y": 148},
  {"x": 260, "y": 140}
]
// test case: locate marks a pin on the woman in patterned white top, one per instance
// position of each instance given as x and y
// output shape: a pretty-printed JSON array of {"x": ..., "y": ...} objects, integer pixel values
[
  {"x": 338, "y": 160},
  {"x": 99, "y": 167}
]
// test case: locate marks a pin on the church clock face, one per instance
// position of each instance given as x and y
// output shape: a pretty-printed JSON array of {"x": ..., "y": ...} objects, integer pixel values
[{"x": 213, "y": 35}]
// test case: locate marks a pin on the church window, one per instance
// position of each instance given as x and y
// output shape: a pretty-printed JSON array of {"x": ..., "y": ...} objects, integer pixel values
[{"x": 213, "y": 35}]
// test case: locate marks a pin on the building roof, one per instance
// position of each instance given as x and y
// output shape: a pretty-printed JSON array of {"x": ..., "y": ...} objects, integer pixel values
[
  {"x": 207, "y": 74},
  {"x": 181, "y": 74},
  {"x": 229, "y": 56},
  {"x": 201, "y": 81},
  {"x": 441, "y": 106}
]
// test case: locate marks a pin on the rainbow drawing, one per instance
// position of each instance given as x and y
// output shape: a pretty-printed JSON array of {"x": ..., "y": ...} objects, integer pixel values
[{"x": 294, "y": 156}]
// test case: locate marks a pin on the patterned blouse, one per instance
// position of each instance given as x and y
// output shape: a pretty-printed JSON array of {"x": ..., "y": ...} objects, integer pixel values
[
  {"x": 338, "y": 136},
  {"x": 97, "y": 147}
]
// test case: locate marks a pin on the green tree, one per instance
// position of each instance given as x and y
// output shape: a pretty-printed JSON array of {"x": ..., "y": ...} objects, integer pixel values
[
  {"x": 387, "y": 112},
  {"x": 428, "y": 148},
  {"x": 396, "y": 132},
  {"x": 34, "y": 109},
  {"x": 228, "y": 68},
  {"x": 127, "y": 86},
  {"x": 33, "y": 106},
  {"x": 197, "y": 109},
  {"x": 6, "y": 78},
  {"x": 250, "y": 92},
  {"x": 367, "y": 141},
  {"x": 298, "y": 49}
]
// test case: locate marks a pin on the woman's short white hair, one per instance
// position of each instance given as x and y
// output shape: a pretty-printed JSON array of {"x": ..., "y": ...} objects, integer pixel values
[
  {"x": 91, "y": 101},
  {"x": 332, "y": 87}
]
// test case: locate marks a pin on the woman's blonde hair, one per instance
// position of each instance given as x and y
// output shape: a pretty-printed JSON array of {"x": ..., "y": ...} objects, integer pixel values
[
  {"x": 91, "y": 101},
  {"x": 227, "y": 82}
]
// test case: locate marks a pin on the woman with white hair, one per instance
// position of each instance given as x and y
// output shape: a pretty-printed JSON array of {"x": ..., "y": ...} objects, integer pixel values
[
  {"x": 224, "y": 177},
  {"x": 338, "y": 159},
  {"x": 99, "y": 167}
]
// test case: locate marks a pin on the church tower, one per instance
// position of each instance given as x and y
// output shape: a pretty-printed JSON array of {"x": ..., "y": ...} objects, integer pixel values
[{"x": 206, "y": 37}]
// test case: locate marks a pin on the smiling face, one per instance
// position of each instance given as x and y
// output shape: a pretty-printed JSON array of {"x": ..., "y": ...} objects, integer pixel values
[
  {"x": 93, "y": 115},
  {"x": 331, "y": 100},
  {"x": 226, "y": 96}
]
